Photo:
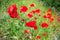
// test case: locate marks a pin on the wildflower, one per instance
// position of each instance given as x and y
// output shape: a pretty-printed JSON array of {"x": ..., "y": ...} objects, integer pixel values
[
  {"x": 37, "y": 11},
  {"x": 33, "y": 11},
  {"x": 30, "y": 15},
  {"x": 35, "y": 27},
  {"x": 32, "y": 5},
  {"x": 38, "y": 37},
  {"x": 31, "y": 24},
  {"x": 44, "y": 16},
  {"x": 49, "y": 10},
  {"x": 12, "y": 11},
  {"x": 26, "y": 31},
  {"x": 23, "y": 9},
  {"x": 44, "y": 25},
  {"x": 51, "y": 19},
  {"x": 49, "y": 15}
]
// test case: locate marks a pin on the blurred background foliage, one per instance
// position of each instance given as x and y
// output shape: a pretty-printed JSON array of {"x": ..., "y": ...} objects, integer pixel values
[{"x": 53, "y": 3}]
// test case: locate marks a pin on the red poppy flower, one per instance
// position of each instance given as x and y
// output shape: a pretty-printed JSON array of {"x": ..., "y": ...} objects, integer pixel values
[
  {"x": 12, "y": 10},
  {"x": 44, "y": 25},
  {"x": 23, "y": 9},
  {"x": 49, "y": 10},
  {"x": 38, "y": 37},
  {"x": 31, "y": 24},
  {"x": 51, "y": 19},
  {"x": 44, "y": 16},
  {"x": 33, "y": 11},
  {"x": 45, "y": 34},
  {"x": 30, "y": 15},
  {"x": 26, "y": 31},
  {"x": 35, "y": 27},
  {"x": 49, "y": 15},
  {"x": 32, "y": 5},
  {"x": 37, "y": 11}
]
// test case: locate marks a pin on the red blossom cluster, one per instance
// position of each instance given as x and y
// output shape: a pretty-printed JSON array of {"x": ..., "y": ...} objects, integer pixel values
[
  {"x": 49, "y": 15},
  {"x": 12, "y": 11},
  {"x": 37, "y": 11},
  {"x": 31, "y": 24}
]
